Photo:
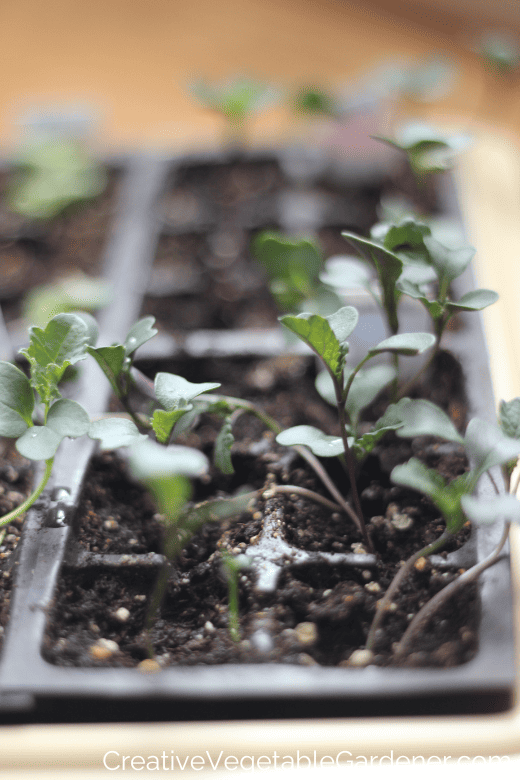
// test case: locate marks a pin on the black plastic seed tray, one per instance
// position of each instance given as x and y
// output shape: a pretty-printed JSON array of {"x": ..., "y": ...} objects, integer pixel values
[{"x": 32, "y": 689}]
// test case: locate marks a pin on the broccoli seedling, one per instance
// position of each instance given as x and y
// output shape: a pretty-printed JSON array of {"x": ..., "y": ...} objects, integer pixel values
[
  {"x": 293, "y": 266},
  {"x": 167, "y": 473},
  {"x": 52, "y": 175},
  {"x": 327, "y": 337},
  {"x": 314, "y": 101},
  {"x": 427, "y": 149},
  {"x": 233, "y": 565},
  {"x": 486, "y": 446},
  {"x": 408, "y": 260},
  {"x": 32, "y": 410},
  {"x": 236, "y": 99}
]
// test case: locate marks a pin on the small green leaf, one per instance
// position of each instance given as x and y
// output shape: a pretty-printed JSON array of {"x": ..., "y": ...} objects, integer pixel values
[
  {"x": 446, "y": 496},
  {"x": 318, "y": 442},
  {"x": 326, "y": 336},
  {"x": 509, "y": 416},
  {"x": 408, "y": 344},
  {"x": 175, "y": 392},
  {"x": 487, "y": 446},
  {"x": 473, "y": 301},
  {"x": 407, "y": 233},
  {"x": 68, "y": 418},
  {"x": 295, "y": 262},
  {"x": 163, "y": 422},
  {"x": 16, "y": 401},
  {"x": 484, "y": 511},
  {"x": 222, "y": 451},
  {"x": 111, "y": 361},
  {"x": 423, "y": 418},
  {"x": 63, "y": 341},
  {"x": 114, "y": 432},
  {"x": 141, "y": 332},
  {"x": 366, "y": 443},
  {"x": 39, "y": 443}
]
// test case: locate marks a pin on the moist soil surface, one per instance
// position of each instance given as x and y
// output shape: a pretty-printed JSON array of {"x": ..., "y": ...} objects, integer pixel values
[
  {"x": 320, "y": 612},
  {"x": 204, "y": 275}
]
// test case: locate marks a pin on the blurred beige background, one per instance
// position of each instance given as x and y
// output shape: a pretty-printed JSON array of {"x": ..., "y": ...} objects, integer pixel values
[{"x": 133, "y": 58}]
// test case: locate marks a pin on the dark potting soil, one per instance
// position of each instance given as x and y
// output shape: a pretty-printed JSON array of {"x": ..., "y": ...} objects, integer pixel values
[
  {"x": 33, "y": 254},
  {"x": 204, "y": 275},
  {"x": 15, "y": 485},
  {"x": 318, "y": 614}
]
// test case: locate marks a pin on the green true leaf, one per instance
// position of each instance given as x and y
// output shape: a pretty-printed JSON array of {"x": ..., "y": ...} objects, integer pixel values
[
  {"x": 446, "y": 496},
  {"x": 175, "y": 392},
  {"x": 509, "y": 417},
  {"x": 318, "y": 442},
  {"x": 408, "y": 344},
  {"x": 64, "y": 341},
  {"x": 487, "y": 445},
  {"x": 51, "y": 351},
  {"x": 409, "y": 232},
  {"x": 115, "y": 432},
  {"x": 16, "y": 401},
  {"x": 297, "y": 262},
  {"x": 473, "y": 301},
  {"x": 388, "y": 266},
  {"x": 346, "y": 273},
  {"x": 366, "y": 443},
  {"x": 482, "y": 511},
  {"x": 326, "y": 336},
  {"x": 68, "y": 418},
  {"x": 222, "y": 451},
  {"x": 111, "y": 361},
  {"x": 39, "y": 443},
  {"x": 423, "y": 418},
  {"x": 141, "y": 332},
  {"x": 163, "y": 422}
]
